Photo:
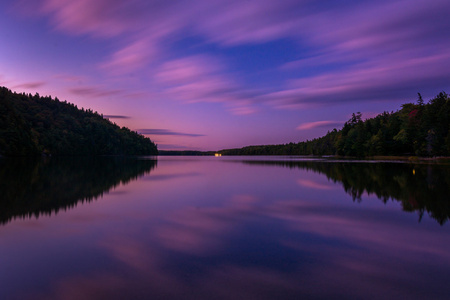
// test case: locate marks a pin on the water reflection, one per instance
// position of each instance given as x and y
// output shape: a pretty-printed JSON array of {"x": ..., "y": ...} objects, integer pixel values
[
  {"x": 418, "y": 187},
  {"x": 209, "y": 229},
  {"x": 34, "y": 187}
]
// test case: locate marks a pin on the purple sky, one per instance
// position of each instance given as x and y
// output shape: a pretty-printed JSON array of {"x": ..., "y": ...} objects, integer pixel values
[{"x": 214, "y": 74}]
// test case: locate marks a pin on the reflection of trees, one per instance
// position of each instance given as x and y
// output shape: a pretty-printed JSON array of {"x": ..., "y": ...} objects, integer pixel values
[
  {"x": 43, "y": 186},
  {"x": 419, "y": 187}
]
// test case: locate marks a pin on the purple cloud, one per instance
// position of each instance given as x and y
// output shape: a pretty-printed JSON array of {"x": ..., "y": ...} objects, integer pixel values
[
  {"x": 102, "y": 18},
  {"x": 30, "y": 85},
  {"x": 311, "y": 125},
  {"x": 388, "y": 79},
  {"x": 200, "y": 79},
  {"x": 92, "y": 91},
  {"x": 384, "y": 50},
  {"x": 167, "y": 132},
  {"x": 380, "y": 59},
  {"x": 172, "y": 147},
  {"x": 131, "y": 57},
  {"x": 70, "y": 78},
  {"x": 115, "y": 117}
]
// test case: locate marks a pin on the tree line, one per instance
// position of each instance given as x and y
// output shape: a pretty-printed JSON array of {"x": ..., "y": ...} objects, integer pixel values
[
  {"x": 417, "y": 129},
  {"x": 33, "y": 125}
]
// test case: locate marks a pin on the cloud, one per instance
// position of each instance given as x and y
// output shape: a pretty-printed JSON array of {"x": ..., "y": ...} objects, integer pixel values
[
  {"x": 30, "y": 85},
  {"x": 374, "y": 60},
  {"x": 201, "y": 78},
  {"x": 232, "y": 23},
  {"x": 115, "y": 117},
  {"x": 381, "y": 79},
  {"x": 93, "y": 91},
  {"x": 102, "y": 18},
  {"x": 172, "y": 147},
  {"x": 223, "y": 21},
  {"x": 131, "y": 57},
  {"x": 346, "y": 52},
  {"x": 311, "y": 125},
  {"x": 167, "y": 132},
  {"x": 70, "y": 78}
]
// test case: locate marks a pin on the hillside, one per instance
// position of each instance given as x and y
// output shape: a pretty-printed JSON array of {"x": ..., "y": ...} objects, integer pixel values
[
  {"x": 416, "y": 129},
  {"x": 33, "y": 125}
]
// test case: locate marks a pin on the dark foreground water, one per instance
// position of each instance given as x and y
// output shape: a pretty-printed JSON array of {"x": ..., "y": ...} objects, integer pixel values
[{"x": 223, "y": 228}]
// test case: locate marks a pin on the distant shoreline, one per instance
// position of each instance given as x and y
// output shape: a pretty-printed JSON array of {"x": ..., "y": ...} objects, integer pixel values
[{"x": 378, "y": 157}]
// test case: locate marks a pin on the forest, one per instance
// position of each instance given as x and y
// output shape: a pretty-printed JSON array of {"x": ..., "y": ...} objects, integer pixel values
[
  {"x": 417, "y": 129},
  {"x": 35, "y": 125}
]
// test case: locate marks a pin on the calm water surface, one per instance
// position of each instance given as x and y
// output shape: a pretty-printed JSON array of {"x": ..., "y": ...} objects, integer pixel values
[{"x": 223, "y": 228}]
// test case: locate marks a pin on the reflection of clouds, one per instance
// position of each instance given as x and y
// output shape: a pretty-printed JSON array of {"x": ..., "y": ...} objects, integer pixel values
[
  {"x": 96, "y": 286},
  {"x": 139, "y": 274},
  {"x": 314, "y": 185},
  {"x": 338, "y": 254},
  {"x": 161, "y": 177},
  {"x": 199, "y": 230},
  {"x": 131, "y": 252},
  {"x": 356, "y": 246},
  {"x": 233, "y": 282},
  {"x": 360, "y": 228}
]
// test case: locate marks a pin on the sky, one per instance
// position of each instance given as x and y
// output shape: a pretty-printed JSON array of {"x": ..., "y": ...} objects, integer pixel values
[{"x": 216, "y": 74}]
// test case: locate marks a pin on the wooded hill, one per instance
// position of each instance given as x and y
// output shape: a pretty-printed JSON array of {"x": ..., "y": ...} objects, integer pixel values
[
  {"x": 33, "y": 125},
  {"x": 416, "y": 129}
]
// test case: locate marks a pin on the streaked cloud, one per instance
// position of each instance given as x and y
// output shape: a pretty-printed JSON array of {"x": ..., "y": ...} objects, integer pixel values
[
  {"x": 116, "y": 117},
  {"x": 102, "y": 18},
  {"x": 130, "y": 58},
  {"x": 167, "y": 132},
  {"x": 311, "y": 125},
  {"x": 30, "y": 85},
  {"x": 258, "y": 59},
  {"x": 70, "y": 78},
  {"x": 375, "y": 60},
  {"x": 162, "y": 146},
  {"x": 200, "y": 79},
  {"x": 379, "y": 80},
  {"x": 93, "y": 91}
]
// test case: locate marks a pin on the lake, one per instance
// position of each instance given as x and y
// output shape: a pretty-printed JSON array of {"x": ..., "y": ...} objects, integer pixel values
[{"x": 223, "y": 228}]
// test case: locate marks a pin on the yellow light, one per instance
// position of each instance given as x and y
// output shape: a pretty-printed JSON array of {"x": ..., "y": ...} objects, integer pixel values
[
  {"x": 414, "y": 172},
  {"x": 217, "y": 154}
]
